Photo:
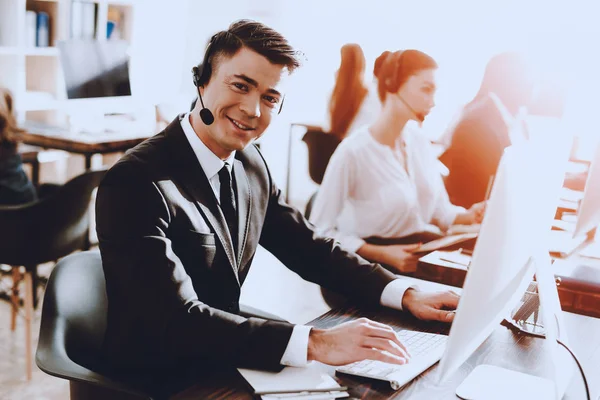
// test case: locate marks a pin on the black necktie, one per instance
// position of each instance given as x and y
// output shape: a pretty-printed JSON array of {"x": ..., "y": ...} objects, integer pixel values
[{"x": 227, "y": 199}]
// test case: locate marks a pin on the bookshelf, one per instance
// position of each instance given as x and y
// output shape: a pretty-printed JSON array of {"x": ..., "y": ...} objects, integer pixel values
[{"x": 33, "y": 74}]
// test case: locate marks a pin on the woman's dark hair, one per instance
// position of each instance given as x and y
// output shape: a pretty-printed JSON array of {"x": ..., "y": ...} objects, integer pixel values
[
  {"x": 8, "y": 124},
  {"x": 349, "y": 90},
  {"x": 392, "y": 70}
]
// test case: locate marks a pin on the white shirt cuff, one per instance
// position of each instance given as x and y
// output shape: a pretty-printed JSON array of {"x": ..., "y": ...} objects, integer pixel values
[
  {"x": 394, "y": 292},
  {"x": 351, "y": 244},
  {"x": 296, "y": 352},
  {"x": 450, "y": 216}
]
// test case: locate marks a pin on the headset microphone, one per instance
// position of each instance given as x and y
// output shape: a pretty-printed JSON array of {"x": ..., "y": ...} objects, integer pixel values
[
  {"x": 420, "y": 117},
  {"x": 205, "y": 114}
]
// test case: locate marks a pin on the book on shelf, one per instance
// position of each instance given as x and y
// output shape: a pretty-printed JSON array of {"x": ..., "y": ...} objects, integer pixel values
[
  {"x": 43, "y": 29},
  {"x": 30, "y": 28},
  {"x": 83, "y": 20}
]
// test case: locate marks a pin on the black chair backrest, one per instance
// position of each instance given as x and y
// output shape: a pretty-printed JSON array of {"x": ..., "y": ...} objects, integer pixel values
[
  {"x": 75, "y": 304},
  {"x": 50, "y": 228},
  {"x": 72, "y": 331},
  {"x": 321, "y": 146}
]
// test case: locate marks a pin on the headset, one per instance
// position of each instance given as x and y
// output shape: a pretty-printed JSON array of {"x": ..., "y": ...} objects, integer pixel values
[
  {"x": 419, "y": 116},
  {"x": 201, "y": 75}
]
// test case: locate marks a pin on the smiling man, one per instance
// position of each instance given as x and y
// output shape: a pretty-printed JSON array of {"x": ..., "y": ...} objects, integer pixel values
[{"x": 179, "y": 219}]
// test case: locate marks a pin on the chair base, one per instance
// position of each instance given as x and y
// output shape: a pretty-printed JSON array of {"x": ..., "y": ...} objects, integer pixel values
[{"x": 87, "y": 391}]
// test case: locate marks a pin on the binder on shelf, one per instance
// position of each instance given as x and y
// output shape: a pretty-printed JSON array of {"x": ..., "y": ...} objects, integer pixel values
[
  {"x": 76, "y": 22},
  {"x": 43, "y": 29},
  {"x": 83, "y": 20},
  {"x": 30, "y": 28},
  {"x": 88, "y": 19}
]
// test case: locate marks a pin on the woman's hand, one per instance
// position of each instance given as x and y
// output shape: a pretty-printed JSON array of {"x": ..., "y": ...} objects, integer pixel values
[
  {"x": 398, "y": 256},
  {"x": 473, "y": 215}
]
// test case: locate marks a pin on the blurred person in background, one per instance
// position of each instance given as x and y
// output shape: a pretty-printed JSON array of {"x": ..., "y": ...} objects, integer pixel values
[
  {"x": 493, "y": 120},
  {"x": 352, "y": 103},
  {"x": 382, "y": 191},
  {"x": 15, "y": 186}
]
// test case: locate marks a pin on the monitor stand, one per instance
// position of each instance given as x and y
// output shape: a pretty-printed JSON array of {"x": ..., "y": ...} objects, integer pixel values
[{"x": 492, "y": 382}]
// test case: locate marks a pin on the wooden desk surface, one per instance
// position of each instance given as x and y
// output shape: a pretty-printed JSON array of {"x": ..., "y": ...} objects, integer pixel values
[
  {"x": 84, "y": 143},
  {"x": 575, "y": 295},
  {"x": 502, "y": 348}
]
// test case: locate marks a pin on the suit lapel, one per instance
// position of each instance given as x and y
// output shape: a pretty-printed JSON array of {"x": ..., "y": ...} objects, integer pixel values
[
  {"x": 191, "y": 176},
  {"x": 244, "y": 205}
]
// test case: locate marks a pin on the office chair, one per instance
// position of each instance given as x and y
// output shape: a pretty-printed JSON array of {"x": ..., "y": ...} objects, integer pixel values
[
  {"x": 310, "y": 204},
  {"x": 72, "y": 330},
  {"x": 320, "y": 146},
  {"x": 43, "y": 231}
]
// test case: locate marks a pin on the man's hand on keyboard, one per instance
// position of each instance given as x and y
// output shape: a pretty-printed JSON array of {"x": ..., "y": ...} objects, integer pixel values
[
  {"x": 438, "y": 306},
  {"x": 355, "y": 341}
]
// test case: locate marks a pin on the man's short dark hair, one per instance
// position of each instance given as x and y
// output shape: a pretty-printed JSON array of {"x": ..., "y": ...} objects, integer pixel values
[{"x": 256, "y": 37}]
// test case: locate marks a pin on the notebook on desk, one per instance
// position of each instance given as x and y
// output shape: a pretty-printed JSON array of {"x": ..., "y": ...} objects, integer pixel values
[{"x": 309, "y": 383}]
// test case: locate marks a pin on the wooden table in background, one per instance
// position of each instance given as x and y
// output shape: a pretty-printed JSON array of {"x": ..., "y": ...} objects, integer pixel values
[
  {"x": 84, "y": 143},
  {"x": 503, "y": 348},
  {"x": 29, "y": 155}
]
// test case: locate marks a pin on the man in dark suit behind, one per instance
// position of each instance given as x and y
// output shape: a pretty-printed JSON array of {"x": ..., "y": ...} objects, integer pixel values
[
  {"x": 179, "y": 219},
  {"x": 484, "y": 129}
]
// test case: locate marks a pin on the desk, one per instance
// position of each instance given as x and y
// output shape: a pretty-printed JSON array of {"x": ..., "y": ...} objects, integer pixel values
[
  {"x": 29, "y": 155},
  {"x": 574, "y": 297},
  {"x": 502, "y": 348},
  {"x": 83, "y": 143}
]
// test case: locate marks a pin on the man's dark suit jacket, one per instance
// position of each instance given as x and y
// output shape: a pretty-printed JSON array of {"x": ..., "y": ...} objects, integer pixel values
[
  {"x": 173, "y": 280},
  {"x": 474, "y": 153}
]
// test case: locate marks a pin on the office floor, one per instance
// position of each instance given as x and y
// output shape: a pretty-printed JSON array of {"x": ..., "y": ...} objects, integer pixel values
[{"x": 13, "y": 381}]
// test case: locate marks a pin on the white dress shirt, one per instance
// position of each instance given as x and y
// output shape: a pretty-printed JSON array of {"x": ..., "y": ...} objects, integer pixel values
[
  {"x": 296, "y": 351},
  {"x": 367, "y": 191},
  {"x": 514, "y": 123}
]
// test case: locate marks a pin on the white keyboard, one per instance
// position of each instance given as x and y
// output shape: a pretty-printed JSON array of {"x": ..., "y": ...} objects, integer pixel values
[{"x": 425, "y": 349}]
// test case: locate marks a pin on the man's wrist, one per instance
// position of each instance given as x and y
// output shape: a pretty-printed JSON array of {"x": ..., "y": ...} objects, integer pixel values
[
  {"x": 408, "y": 296},
  {"x": 314, "y": 338}
]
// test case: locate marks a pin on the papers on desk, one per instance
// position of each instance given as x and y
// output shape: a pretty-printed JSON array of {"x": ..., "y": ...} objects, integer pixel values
[
  {"x": 449, "y": 259},
  {"x": 592, "y": 250},
  {"x": 309, "y": 383},
  {"x": 445, "y": 241},
  {"x": 563, "y": 225},
  {"x": 459, "y": 229},
  {"x": 563, "y": 244},
  {"x": 571, "y": 195}
]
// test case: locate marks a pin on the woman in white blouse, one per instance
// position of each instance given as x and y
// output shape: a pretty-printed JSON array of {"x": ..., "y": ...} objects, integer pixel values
[{"x": 382, "y": 186}]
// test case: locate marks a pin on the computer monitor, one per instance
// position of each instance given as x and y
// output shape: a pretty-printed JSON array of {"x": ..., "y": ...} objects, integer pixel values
[
  {"x": 96, "y": 77},
  {"x": 99, "y": 95},
  {"x": 95, "y": 69},
  {"x": 518, "y": 219},
  {"x": 588, "y": 215}
]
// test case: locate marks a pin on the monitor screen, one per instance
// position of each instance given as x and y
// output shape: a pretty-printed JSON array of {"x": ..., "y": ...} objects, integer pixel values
[{"x": 94, "y": 69}]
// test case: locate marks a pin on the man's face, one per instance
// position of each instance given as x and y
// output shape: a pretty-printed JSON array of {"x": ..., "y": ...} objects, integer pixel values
[
  {"x": 243, "y": 94},
  {"x": 419, "y": 91}
]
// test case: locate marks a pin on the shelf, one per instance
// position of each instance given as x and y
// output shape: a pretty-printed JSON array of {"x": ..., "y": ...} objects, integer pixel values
[
  {"x": 9, "y": 50},
  {"x": 38, "y": 101},
  {"x": 41, "y": 51}
]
